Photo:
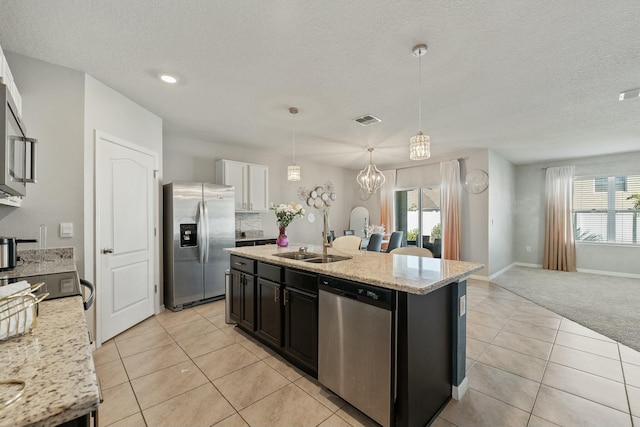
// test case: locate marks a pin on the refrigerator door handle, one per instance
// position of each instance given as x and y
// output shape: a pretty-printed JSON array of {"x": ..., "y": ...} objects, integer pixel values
[
  {"x": 200, "y": 224},
  {"x": 206, "y": 231}
]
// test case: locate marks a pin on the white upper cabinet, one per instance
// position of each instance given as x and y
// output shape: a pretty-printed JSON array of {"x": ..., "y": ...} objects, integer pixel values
[
  {"x": 258, "y": 188},
  {"x": 251, "y": 184}
]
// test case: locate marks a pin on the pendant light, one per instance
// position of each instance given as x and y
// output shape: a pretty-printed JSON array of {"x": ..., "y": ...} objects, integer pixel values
[
  {"x": 293, "y": 171},
  {"x": 370, "y": 178},
  {"x": 419, "y": 146}
]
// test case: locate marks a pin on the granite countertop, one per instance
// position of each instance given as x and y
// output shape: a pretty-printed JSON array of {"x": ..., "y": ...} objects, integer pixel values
[
  {"x": 56, "y": 363},
  {"x": 56, "y": 260},
  {"x": 406, "y": 273}
]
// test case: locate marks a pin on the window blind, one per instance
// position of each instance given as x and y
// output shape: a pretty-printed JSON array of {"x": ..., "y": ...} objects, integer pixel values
[{"x": 605, "y": 209}]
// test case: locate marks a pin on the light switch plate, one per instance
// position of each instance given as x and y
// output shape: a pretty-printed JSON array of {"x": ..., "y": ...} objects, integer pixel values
[{"x": 66, "y": 229}]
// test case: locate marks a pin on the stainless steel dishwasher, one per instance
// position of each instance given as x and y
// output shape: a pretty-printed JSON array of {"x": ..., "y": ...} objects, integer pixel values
[{"x": 356, "y": 345}]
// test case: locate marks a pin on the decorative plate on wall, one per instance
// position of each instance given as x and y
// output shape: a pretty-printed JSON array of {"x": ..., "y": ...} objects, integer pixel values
[{"x": 476, "y": 181}]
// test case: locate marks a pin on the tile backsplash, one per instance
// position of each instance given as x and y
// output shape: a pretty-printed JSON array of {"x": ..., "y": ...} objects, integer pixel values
[{"x": 248, "y": 222}]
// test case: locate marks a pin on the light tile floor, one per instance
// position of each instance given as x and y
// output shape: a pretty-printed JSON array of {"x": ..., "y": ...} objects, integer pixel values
[{"x": 526, "y": 366}]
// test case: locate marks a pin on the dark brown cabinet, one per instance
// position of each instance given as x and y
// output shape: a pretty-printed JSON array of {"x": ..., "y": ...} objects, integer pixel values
[
  {"x": 301, "y": 317},
  {"x": 243, "y": 292},
  {"x": 269, "y": 303},
  {"x": 269, "y": 311},
  {"x": 285, "y": 304},
  {"x": 301, "y": 327}
]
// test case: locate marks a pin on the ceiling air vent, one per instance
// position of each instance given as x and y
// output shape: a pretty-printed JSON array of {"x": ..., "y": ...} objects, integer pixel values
[{"x": 367, "y": 120}]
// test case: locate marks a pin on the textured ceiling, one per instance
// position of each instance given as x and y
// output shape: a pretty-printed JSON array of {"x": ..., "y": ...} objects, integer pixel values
[{"x": 534, "y": 80}]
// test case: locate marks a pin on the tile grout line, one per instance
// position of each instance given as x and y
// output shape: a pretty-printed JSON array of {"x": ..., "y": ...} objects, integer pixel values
[
  {"x": 491, "y": 343},
  {"x": 131, "y": 387},
  {"x": 624, "y": 378},
  {"x": 259, "y": 360},
  {"x": 545, "y": 368},
  {"x": 544, "y": 371}
]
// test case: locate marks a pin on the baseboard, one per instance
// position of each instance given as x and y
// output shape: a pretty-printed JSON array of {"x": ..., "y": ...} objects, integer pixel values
[
  {"x": 609, "y": 273},
  {"x": 525, "y": 264},
  {"x": 494, "y": 275},
  {"x": 460, "y": 390},
  {"x": 586, "y": 270}
]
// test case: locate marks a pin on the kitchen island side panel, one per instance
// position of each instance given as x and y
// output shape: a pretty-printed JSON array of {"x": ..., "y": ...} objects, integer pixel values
[{"x": 425, "y": 331}]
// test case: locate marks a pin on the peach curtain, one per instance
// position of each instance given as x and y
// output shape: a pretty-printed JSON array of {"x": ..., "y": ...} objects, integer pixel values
[
  {"x": 559, "y": 237},
  {"x": 387, "y": 193},
  {"x": 450, "y": 214}
]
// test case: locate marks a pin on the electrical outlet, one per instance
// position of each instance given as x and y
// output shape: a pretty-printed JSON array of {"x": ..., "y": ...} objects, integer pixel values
[
  {"x": 528, "y": 248},
  {"x": 463, "y": 305}
]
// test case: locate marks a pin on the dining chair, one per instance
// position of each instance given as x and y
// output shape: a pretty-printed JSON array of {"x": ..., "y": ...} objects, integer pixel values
[
  {"x": 348, "y": 243},
  {"x": 395, "y": 241},
  {"x": 375, "y": 242},
  {"x": 413, "y": 251},
  {"x": 349, "y": 232}
]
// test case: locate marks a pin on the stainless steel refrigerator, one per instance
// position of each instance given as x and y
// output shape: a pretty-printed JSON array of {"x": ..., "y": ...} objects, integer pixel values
[{"x": 199, "y": 221}]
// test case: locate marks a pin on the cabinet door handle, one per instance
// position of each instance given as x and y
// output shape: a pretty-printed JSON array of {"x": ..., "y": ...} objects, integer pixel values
[
  {"x": 286, "y": 297},
  {"x": 275, "y": 294},
  {"x": 239, "y": 263}
]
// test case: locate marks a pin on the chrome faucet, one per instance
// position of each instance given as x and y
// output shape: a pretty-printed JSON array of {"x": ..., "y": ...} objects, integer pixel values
[{"x": 327, "y": 241}]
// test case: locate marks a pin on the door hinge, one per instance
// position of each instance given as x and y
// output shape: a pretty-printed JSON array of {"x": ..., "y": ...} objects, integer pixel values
[
  {"x": 155, "y": 173},
  {"x": 155, "y": 288},
  {"x": 155, "y": 231}
]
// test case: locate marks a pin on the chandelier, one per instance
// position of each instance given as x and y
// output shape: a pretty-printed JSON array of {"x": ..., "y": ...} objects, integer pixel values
[
  {"x": 419, "y": 145},
  {"x": 370, "y": 178},
  {"x": 293, "y": 171}
]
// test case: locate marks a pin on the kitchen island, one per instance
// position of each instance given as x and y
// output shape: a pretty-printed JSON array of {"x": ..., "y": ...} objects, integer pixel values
[{"x": 276, "y": 299}]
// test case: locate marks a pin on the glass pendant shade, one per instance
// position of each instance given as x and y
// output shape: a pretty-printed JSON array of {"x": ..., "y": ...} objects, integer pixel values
[
  {"x": 419, "y": 147},
  {"x": 370, "y": 178},
  {"x": 293, "y": 173}
]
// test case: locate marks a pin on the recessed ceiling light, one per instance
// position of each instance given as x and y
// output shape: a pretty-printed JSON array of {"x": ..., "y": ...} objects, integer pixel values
[
  {"x": 168, "y": 78},
  {"x": 629, "y": 94}
]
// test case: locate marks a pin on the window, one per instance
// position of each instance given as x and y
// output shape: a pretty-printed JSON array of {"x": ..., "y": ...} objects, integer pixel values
[
  {"x": 419, "y": 229},
  {"x": 607, "y": 209}
]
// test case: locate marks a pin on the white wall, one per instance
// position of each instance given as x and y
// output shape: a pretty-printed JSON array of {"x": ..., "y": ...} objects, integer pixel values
[
  {"x": 53, "y": 113},
  {"x": 530, "y": 225},
  {"x": 110, "y": 112},
  {"x": 190, "y": 159},
  {"x": 502, "y": 196},
  {"x": 475, "y": 214}
]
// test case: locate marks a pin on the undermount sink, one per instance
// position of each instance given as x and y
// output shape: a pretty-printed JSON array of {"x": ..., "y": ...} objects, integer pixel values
[
  {"x": 329, "y": 258},
  {"x": 311, "y": 257},
  {"x": 298, "y": 255}
]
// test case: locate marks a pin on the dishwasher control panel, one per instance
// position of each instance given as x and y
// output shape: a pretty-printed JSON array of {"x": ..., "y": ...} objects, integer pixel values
[{"x": 362, "y": 292}]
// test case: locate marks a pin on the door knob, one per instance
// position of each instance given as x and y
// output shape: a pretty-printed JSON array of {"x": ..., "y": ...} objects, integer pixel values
[{"x": 107, "y": 251}]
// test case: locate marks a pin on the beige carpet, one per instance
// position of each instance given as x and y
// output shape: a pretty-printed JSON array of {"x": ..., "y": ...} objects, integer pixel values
[{"x": 607, "y": 304}]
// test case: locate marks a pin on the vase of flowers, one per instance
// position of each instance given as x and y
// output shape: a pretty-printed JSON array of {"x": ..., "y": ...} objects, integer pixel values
[{"x": 285, "y": 214}]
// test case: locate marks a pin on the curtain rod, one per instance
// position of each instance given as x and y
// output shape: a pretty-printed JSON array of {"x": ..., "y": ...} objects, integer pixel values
[
  {"x": 432, "y": 163},
  {"x": 593, "y": 164}
]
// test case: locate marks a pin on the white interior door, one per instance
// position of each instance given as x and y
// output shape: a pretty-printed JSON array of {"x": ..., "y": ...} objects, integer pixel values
[{"x": 125, "y": 222}]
